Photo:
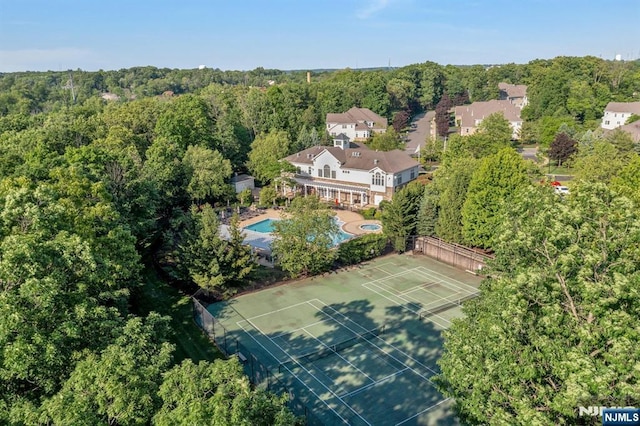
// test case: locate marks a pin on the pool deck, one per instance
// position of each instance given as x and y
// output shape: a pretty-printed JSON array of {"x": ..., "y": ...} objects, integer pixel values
[{"x": 352, "y": 221}]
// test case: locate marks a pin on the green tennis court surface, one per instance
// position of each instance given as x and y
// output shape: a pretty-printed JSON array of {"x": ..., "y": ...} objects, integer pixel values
[{"x": 355, "y": 347}]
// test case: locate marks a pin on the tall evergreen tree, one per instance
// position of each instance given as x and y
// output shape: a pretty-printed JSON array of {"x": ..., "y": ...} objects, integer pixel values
[
  {"x": 453, "y": 184},
  {"x": 399, "y": 217},
  {"x": 428, "y": 211}
]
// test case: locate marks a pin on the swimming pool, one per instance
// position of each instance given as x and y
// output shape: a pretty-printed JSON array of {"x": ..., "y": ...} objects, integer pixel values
[{"x": 266, "y": 227}]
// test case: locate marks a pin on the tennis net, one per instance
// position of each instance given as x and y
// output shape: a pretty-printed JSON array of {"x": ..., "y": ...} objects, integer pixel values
[
  {"x": 449, "y": 304},
  {"x": 329, "y": 350}
]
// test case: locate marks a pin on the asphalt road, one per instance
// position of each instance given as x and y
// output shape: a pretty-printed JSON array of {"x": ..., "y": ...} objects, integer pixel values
[{"x": 418, "y": 135}]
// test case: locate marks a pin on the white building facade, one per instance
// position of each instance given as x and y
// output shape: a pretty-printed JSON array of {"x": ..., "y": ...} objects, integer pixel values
[
  {"x": 616, "y": 114},
  {"x": 357, "y": 124},
  {"x": 349, "y": 174}
]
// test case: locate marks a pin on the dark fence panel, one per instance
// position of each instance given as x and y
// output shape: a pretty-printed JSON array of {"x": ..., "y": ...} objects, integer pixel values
[{"x": 453, "y": 254}]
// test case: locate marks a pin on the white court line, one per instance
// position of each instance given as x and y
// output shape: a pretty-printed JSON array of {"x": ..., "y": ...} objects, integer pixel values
[
  {"x": 436, "y": 303},
  {"x": 417, "y": 312},
  {"x": 385, "y": 342},
  {"x": 429, "y": 273},
  {"x": 295, "y": 375},
  {"x": 343, "y": 358},
  {"x": 285, "y": 333},
  {"x": 380, "y": 269},
  {"x": 277, "y": 310},
  {"x": 365, "y": 387},
  {"x": 423, "y": 411},
  {"x": 309, "y": 372},
  {"x": 402, "y": 352}
]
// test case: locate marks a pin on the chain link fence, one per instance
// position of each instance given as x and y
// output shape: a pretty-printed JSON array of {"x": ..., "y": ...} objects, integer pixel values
[{"x": 258, "y": 373}]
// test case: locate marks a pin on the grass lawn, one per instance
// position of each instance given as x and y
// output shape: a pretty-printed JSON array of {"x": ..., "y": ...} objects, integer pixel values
[
  {"x": 557, "y": 170},
  {"x": 156, "y": 295}
]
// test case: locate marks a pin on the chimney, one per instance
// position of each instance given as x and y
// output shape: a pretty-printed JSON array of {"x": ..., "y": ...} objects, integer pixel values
[{"x": 308, "y": 77}]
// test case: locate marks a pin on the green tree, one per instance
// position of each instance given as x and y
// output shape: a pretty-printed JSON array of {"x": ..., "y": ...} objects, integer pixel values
[
  {"x": 554, "y": 326},
  {"x": 303, "y": 243},
  {"x": 266, "y": 152},
  {"x": 120, "y": 385},
  {"x": 497, "y": 129},
  {"x": 207, "y": 173},
  {"x": 492, "y": 184},
  {"x": 217, "y": 393},
  {"x": 453, "y": 182},
  {"x": 428, "y": 211},
  {"x": 399, "y": 217},
  {"x": 623, "y": 141},
  {"x": 203, "y": 249},
  {"x": 187, "y": 120},
  {"x": 598, "y": 163},
  {"x": 627, "y": 181},
  {"x": 268, "y": 196},
  {"x": 238, "y": 259},
  {"x": 387, "y": 141}
]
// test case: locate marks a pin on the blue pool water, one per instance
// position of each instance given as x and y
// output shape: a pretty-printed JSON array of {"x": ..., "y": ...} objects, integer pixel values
[
  {"x": 266, "y": 227},
  {"x": 371, "y": 227}
]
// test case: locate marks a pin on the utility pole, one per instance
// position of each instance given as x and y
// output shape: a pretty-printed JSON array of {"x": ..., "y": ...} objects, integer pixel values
[{"x": 69, "y": 85}]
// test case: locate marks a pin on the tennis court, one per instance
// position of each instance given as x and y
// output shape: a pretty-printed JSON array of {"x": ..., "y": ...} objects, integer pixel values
[{"x": 355, "y": 347}]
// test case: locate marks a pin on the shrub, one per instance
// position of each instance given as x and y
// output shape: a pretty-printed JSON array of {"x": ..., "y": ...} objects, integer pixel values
[
  {"x": 369, "y": 213},
  {"x": 362, "y": 248}
]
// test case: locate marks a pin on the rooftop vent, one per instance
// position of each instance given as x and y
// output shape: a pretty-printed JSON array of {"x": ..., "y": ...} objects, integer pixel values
[
  {"x": 355, "y": 154},
  {"x": 375, "y": 161}
]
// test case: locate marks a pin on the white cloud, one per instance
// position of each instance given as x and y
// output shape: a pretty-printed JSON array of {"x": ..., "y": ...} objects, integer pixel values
[
  {"x": 60, "y": 58},
  {"x": 373, "y": 7}
]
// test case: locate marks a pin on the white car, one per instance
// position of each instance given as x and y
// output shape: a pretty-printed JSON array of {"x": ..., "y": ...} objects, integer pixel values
[{"x": 561, "y": 190}]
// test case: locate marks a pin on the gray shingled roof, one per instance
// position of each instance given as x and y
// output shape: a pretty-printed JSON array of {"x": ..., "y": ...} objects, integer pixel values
[
  {"x": 632, "y": 107},
  {"x": 513, "y": 90},
  {"x": 633, "y": 129},
  {"x": 480, "y": 110},
  {"x": 358, "y": 115},
  {"x": 363, "y": 159}
]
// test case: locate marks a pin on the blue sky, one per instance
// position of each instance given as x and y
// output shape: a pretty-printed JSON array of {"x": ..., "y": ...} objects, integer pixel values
[{"x": 308, "y": 34}]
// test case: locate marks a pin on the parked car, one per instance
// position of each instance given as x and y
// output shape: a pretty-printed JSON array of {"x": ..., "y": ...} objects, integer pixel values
[{"x": 561, "y": 189}]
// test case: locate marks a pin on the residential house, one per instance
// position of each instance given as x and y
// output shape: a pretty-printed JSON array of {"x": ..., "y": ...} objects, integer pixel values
[
  {"x": 633, "y": 129},
  {"x": 617, "y": 113},
  {"x": 351, "y": 174},
  {"x": 468, "y": 117},
  {"x": 514, "y": 93},
  {"x": 358, "y": 124}
]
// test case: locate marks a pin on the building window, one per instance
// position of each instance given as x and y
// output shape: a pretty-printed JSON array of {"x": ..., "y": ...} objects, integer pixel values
[
  {"x": 377, "y": 179},
  {"x": 333, "y": 174},
  {"x": 327, "y": 171},
  {"x": 344, "y": 126},
  {"x": 413, "y": 174},
  {"x": 399, "y": 179},
  {"x": 607, "y": 122},
  {"x": 319, "y": 172},
  {"x": 310, "y": 170}
]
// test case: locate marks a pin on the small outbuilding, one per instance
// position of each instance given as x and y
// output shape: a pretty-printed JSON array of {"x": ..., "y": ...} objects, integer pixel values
[{"x": 242, "y": 182}]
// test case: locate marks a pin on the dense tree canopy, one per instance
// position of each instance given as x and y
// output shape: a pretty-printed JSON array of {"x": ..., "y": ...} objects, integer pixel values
[
  {"x": 98, "y": 183},
  {"x": 490, "y": 189},
  {"x": 555, "y": 325}
]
